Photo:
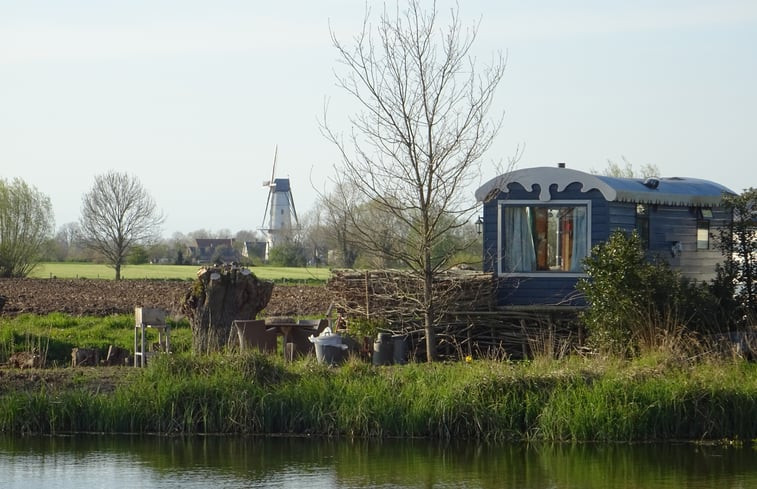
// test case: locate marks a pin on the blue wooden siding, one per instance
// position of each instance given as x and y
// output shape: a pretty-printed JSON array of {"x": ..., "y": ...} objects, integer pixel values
[
  {"x": 679, "y": 225},
  {"x": 674, "y": 224},
  {"x": 526, "y": 291},
  {"x": 489, "y": 235},
  {"x": 622, "y": 215},
  {"x": 667, "y": 225}
]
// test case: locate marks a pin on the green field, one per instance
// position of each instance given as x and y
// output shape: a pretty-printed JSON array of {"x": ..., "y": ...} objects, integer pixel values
[{"x": 94, "y": 270}]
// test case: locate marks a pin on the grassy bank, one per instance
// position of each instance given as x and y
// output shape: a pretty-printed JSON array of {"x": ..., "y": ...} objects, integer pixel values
[
  {"x": 573, "y": 399},
  {"x": 168, "y": 272},
  {"x": 54, "y": 335},
  {"x": 660, "y": 396}
]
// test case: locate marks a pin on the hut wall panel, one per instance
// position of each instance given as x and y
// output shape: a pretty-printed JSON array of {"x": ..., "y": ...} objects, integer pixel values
[
  {"x": 668, "y": 225},
  {"x": 622, "y": 216},
  {"x": 548, "y": 290}
]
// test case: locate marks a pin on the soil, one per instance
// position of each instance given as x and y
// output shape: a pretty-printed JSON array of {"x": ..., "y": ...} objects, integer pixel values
[
  {"x": 104, "y": 297},
  {"x": 89, "y": 297}
]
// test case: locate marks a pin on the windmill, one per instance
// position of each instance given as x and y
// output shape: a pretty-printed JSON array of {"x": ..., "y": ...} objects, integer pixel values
[{"x": 279, "y": 208}]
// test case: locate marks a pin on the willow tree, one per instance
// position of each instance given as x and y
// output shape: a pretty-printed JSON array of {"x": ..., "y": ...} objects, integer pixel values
[
  {"x": 117, "y": 214},
  {"x": 26, "y": 225},
  {"x": 417, "y": 138}
]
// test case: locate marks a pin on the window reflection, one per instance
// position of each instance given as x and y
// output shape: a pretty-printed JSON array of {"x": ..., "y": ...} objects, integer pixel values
[{"x": 544, "y": 238}]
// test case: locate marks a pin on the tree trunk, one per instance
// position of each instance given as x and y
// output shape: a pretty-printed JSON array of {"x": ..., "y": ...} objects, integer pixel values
[
  {"x": 429, "y": 307},
  {"x": 218, "y": 297}
]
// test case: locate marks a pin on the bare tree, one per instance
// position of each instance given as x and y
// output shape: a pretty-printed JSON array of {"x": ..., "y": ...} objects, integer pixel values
[
  {"x": 26, "y": 224},
  {"x": 336, "y": 210},
  {"x": 418, "y": 138},
  {"x": 117, "y": 214},
  {"x": 614, "y": 169},
  {"x": 67, "y": 242}
]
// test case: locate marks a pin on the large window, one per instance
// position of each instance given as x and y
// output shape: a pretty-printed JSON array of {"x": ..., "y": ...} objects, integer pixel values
[{"x": 544, "y": 238}]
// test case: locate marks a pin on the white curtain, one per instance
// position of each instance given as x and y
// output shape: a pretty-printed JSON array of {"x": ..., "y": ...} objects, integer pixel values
[
  {"x": 580, "y": 245},
  {"x": 520, "y": 255}
]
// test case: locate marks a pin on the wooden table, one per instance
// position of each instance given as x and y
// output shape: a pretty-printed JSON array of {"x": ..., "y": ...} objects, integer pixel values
[{"x": 296, "y": 333}]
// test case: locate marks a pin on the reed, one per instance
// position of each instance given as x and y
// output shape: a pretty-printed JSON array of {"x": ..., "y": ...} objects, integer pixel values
[{"x": 574, "y": 398}]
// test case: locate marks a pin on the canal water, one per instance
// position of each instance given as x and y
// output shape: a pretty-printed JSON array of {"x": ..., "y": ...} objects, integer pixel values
[{"x": 223, "y": 462}]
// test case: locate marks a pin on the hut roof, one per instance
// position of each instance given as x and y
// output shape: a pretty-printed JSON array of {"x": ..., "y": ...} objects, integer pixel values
[{"x": 669, "y": 191}]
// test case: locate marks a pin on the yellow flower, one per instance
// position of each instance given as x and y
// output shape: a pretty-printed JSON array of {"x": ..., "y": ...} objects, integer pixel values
[{"x": 468, "y": 359}]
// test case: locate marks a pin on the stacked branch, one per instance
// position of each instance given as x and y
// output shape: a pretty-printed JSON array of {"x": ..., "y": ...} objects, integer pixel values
[
  {"x": 396, "y": 296},
  {"x": 515, "y": 334},
  {"x": 468, "y": 322}
]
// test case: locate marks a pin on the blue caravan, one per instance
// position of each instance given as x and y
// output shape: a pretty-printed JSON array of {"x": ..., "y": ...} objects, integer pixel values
[{"x": 540, "y": 223}]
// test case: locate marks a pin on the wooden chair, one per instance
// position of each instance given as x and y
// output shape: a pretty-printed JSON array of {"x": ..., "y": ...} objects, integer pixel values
[{"x": 254, "y": 334}]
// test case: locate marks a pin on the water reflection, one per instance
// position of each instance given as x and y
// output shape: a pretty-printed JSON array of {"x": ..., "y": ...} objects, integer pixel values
[{"x": 221, "y": 462}]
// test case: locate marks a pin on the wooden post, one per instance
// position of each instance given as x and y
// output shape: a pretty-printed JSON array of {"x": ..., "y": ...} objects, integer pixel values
[
  {"x": 524, "y": 338},
  {"x": 367, "y": 297},
  {"x": 289, "y": 352}
]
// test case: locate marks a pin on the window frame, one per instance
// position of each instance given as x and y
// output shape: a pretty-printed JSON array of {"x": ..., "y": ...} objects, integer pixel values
[{"x": 501, "y": 204}]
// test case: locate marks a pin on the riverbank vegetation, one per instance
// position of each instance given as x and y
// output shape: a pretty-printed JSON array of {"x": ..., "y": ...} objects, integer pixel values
[{"x": 655, "y": 396}]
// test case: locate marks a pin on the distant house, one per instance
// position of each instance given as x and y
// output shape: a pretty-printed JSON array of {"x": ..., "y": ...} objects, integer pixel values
[
  {"x": 540, "y": 223},
  {"x": 206, "y": 250},
  {"x": 254, "y": 249}
]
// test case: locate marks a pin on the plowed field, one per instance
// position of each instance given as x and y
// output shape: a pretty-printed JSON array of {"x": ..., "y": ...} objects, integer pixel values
[{"x": 105, "y": 297}]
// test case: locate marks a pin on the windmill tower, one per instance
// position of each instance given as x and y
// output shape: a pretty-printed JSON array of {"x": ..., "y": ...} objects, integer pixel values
[{"x": 279, "y": 209}]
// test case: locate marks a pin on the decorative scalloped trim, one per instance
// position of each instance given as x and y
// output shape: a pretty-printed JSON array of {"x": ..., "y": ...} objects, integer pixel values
[{"x": 544, "y": 177}]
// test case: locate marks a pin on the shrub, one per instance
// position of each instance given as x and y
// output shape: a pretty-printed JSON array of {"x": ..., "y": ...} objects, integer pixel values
[
  {"x": 138, "y": 255},
  {"x": 287, "y": 254},
  {"x": 634, "y": 302},
  {"x": 736, "y": 283}
]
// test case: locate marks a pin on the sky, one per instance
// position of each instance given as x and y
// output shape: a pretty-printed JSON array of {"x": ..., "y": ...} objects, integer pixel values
[{"x": 194, "y": 97}]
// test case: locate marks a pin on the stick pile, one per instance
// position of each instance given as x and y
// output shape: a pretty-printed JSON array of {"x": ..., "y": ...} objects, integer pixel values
[
  {"x": 468, "y": 322},
  {"x": 397, "y": 295}
]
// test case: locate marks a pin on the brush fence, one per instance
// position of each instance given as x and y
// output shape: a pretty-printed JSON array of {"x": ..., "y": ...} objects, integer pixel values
[{"x": 467, "y": 321}]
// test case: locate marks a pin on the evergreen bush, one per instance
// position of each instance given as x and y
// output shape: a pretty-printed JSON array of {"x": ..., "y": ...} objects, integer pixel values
[{"x": 635, "y": 302}]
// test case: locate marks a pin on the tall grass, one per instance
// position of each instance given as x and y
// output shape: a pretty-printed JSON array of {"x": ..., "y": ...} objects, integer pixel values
[
  {"x": 252, "y": 393},
  {"x": 54, "y": 335}
]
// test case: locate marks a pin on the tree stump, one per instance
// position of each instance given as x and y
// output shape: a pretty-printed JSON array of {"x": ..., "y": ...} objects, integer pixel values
[{"x": 219, "y": 296}]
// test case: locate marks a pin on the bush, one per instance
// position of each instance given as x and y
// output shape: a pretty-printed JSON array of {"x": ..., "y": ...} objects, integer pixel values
[
  {"x": 138, "y": 255},
  {"x": 287, "y": 255},
  {"x": 634, "y": 302},
  {"x": 736, "y": 283}
]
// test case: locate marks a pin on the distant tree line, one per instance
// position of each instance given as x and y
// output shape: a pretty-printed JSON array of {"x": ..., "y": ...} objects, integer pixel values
[{"x": 326, "y": 236}]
